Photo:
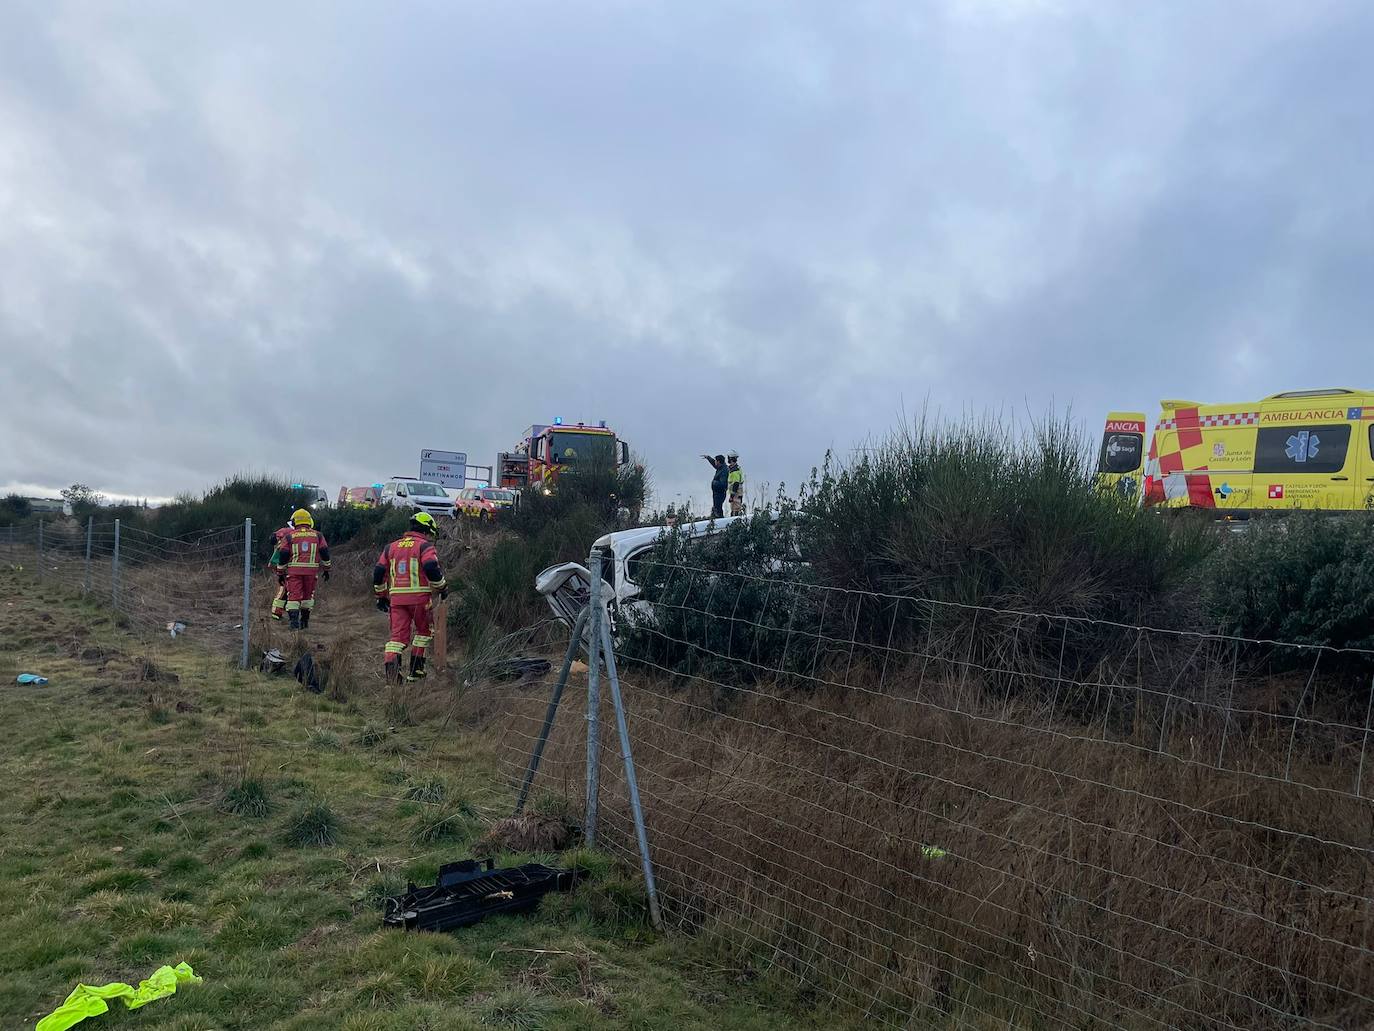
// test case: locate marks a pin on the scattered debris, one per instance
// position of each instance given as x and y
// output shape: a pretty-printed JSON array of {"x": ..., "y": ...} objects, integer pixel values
[
  {"x": 466, "y": 892},
  {"x": 933, "y": 852},
  {"x": 31, "y": 678},
  {"x": 176, "y": 627},
  {"x": 273, "y": 662}
]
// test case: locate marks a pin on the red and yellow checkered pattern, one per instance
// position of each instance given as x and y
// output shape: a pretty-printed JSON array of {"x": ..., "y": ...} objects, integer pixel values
[{"x": 1182, "y": 471}]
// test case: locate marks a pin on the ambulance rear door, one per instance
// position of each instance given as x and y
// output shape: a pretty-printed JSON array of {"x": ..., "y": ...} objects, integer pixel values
[{"x": 1121, "y": 456}]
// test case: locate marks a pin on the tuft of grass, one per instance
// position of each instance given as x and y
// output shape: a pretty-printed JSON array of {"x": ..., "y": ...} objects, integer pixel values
[
  {"x": 518, "y": 1009},
  {"x": 312, "y": 825},
  {"x": 443, "y": 823},
  {"x": 247, "y": 798},
  {"x": 371, "y": 735},
  {"x": 432, "y": 789},
  {"x": 323, "y": 740}
]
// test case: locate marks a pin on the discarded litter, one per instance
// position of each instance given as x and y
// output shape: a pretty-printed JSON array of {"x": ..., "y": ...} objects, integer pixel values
[
  {"x": 307, "y": 673},
  {"x": 176, "y": 627},
  {"x": 933, "y": 852},
  {"x": 273, "y": 662},
  {"x": 466, "y": 892},
  {"x": 30, "y": 678},
  {"x": 91, "y": 1000},
  {"x": 521, "y": 667}
]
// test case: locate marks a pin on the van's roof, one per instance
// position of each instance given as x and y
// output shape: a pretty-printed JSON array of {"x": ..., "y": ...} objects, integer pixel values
[{"x": 622, "y": 540}]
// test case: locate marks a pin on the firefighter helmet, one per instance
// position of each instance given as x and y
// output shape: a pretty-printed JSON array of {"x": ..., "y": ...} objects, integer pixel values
[
  {"x": 302, "y": 517},
  {"x": 424, "y": 522}
]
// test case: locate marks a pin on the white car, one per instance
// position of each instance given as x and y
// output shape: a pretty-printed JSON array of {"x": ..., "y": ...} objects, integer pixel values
[
  {"x": 407, "y": 492},
  {"x": 567, "y": 586}
]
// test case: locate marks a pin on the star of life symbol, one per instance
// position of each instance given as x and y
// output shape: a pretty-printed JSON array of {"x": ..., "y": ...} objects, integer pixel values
[{"x": 1302, "y": 446}]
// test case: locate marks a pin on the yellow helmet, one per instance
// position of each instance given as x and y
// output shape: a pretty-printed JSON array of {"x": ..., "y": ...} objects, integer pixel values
[
  {"x": 302, "y": 517},
  {"x": 424, "y": 522}
]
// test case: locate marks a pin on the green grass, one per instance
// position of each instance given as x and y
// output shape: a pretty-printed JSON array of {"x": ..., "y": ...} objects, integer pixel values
[{"x": 130, "y": 843}]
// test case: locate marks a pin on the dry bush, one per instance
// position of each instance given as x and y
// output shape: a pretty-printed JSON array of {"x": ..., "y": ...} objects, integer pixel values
[{"x": 529, "y": 832}]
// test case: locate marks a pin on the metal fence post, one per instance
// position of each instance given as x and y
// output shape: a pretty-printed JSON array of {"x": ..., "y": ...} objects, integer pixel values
[
  {"x": 90, "y": 532},
  {"x": 39, "y": 563},
  {"x": 631, "y": 783},
  {"x": 594, "y": 703},
  {"x": 578, "y": 627},
  {"x": 247, "y": 584},
  {"x": 114, "y": 571}
]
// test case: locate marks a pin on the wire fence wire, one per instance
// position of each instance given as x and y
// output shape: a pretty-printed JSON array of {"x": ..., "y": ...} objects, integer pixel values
[
  {"x": 189, "y": 587},
  {"x": 954, "y": 816}
]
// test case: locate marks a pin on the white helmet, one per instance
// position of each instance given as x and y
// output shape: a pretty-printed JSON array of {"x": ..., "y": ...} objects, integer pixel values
[{"x": 731, "y": 455}]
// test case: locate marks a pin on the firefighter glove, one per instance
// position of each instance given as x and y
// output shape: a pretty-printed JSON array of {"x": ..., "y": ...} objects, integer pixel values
[
  {"x": 443, "y": 594},
  {"x": 281, "y": 579},
  {"x": 324, "y": 574},
  {"x": 383, "y": 604}
]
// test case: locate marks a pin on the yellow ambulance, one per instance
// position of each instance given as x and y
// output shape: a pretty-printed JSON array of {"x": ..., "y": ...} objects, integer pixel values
[{"x": 1301, "y": 449}]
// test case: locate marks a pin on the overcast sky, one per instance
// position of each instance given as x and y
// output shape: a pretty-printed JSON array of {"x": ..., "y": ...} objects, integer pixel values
[{"x": 314, "y": 238}]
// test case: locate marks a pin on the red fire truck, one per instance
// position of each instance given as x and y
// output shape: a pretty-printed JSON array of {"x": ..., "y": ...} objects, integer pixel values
[{"x": 547, "y": 450}]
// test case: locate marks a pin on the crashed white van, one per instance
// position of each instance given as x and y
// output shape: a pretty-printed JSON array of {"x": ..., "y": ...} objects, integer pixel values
[{"x": 567, "y": 586}]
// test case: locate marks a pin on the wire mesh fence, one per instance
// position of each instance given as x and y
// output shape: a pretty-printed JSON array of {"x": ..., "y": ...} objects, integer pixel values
[
  {"x": 193, "y": 586},
  {"x": 947, "y": 815}
]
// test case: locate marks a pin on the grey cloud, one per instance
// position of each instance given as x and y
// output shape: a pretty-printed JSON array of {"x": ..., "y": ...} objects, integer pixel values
[{"x": 315, "y": 239}]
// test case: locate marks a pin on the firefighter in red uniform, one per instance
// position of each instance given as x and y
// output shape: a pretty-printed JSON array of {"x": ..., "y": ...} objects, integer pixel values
[
  {"x": 404, "y": 580},
  {"x": 302, "y": 556},
  {"x": 279, "y": 599}
]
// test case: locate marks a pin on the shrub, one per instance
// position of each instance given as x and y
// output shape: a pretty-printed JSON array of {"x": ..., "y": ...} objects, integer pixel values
[
  {"x": 15, "y": 506},
  {"x": 1307, "y": 578},
  {"x": 981, "y": 513}
]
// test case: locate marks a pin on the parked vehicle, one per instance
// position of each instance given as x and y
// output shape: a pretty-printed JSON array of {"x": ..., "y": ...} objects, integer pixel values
[
  {"x": 420, "y": 495},
  {"x": 360, "y": 497},
  {"x": 545, "y": 451},
  {"x": 485, "y": 503},
  {"x": 315, "y": 495},
  {"x": 1310, "y": 449}
]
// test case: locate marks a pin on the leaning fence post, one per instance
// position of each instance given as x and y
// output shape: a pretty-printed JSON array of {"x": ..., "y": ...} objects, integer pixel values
[
  {"x": 39, "y": 563},
  {"x": 630, "y": 782},
  {"x": 594, "y": 703},
  {"x": 247, "y": 584},
  {"x": 578, "y": 626},
  {"x": 86, "y": 579},
  {"x": 114, "y": 570}
]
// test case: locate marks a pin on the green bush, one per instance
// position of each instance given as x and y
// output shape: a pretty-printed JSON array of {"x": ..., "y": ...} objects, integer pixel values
[
  {"x": 1307, "y": 578},
  {"x": 497, "y": 594},
  {"x": 979, "y": 513},
  {"x": 14, "y": 507}
]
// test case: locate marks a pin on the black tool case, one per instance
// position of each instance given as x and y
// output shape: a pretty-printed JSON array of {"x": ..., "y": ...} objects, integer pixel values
[{"x": 466, "y": 892}]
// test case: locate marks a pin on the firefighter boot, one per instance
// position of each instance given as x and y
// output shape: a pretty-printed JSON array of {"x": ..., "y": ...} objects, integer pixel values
[
  {"x": 305, "y": 618},
  {"x": 417, "y": 667},
  {"x": 295, "y": 616},
  {"x": 391, "y": 672}
]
